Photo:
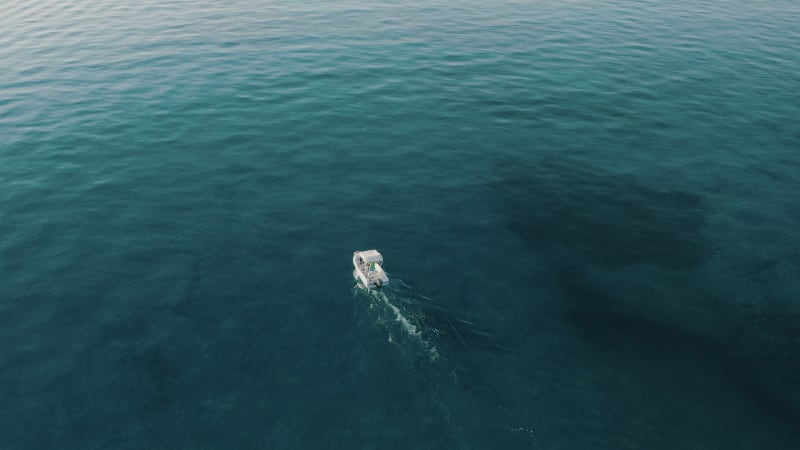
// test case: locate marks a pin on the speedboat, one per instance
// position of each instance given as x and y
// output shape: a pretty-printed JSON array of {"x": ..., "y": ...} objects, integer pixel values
[{"x": 369, "y": 269}]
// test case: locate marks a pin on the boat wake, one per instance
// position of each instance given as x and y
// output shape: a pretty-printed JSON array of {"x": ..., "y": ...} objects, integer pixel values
[
  {"x": 402, "y": 326},
  {"x": 440, "y": 349}
]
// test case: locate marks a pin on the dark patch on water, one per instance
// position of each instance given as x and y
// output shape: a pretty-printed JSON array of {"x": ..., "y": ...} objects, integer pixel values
[
  {"x": 141, "y": 366},
  {"x": 613, "y": 220},
  {"x": 608, "y": 323},
  {"x": 774, "y": 332},
  {"x": 158, "y": 373},
  {"x": 761, "y": 270}
]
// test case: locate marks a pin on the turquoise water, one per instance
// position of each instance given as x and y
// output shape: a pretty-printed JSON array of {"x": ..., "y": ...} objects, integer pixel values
[{"x": 589, "y": 212}]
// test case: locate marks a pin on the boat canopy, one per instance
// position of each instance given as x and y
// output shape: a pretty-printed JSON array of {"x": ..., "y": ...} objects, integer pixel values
[{"x": 371, "y": 256}]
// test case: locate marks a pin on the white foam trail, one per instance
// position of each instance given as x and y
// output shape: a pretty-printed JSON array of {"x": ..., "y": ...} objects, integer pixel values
[
  {"x": 528, "y": 431},
  {"x": 410, "y": 328}
]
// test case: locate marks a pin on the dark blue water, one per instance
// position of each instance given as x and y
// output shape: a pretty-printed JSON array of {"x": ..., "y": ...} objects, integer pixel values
[{"x": 589, "y": 212}]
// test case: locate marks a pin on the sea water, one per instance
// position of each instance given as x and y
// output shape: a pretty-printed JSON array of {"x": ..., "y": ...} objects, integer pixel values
[{"x": 593, "y": 207}]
